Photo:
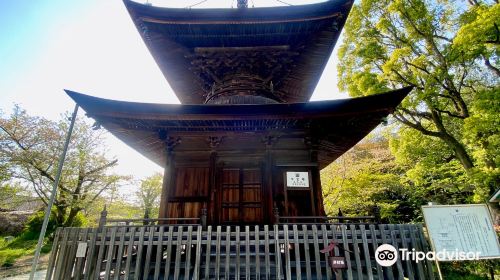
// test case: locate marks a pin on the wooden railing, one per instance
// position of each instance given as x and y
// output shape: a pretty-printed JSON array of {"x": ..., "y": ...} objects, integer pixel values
[
  {"x": 249, "y": 252},
  {"x": 339, "y": 219},
  {"x": 284, "y": 220},
  {"x": 105, "y": 221},
  {"x": 158, "y": 221}
]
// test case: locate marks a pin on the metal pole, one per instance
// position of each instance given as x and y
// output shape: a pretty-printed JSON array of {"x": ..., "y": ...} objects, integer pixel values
[{"x": 53, "y": 195}]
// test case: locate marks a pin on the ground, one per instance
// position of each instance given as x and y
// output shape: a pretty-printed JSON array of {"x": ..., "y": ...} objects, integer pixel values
[{"x": 23, "y": 266}]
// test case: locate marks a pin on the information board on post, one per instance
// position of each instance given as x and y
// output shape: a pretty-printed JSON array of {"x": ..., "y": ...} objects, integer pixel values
[{"x": 461, "y": 229}]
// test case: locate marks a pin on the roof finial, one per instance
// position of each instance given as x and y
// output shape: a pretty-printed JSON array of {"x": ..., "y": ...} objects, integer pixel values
[{"x": 242, "y": 4}]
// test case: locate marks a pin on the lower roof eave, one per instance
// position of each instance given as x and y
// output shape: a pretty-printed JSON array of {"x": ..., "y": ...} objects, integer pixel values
[{"x": 337, "y": 124}]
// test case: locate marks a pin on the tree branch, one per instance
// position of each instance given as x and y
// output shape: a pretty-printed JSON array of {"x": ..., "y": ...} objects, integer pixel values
[
  {"x": 418, "y": 126},
  {"x": 491, "y": 67},
  {"x": 103, "y": 167}
]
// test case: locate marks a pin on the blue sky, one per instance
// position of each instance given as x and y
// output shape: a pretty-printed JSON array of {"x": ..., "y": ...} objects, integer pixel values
[
  {"x": 26, "y": 28},
  {"x": 91, "y": 46}
]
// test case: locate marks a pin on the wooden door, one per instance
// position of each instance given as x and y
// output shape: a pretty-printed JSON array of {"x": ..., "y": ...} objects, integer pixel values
[{"x": 241, "y": 196}]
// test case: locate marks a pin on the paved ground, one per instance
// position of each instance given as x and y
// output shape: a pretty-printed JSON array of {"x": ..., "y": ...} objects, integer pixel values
[{"x": 39, "y": 275}]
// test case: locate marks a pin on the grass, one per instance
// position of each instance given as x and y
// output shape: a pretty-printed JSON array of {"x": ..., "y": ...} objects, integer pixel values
[{"x": 20, "y": 246}]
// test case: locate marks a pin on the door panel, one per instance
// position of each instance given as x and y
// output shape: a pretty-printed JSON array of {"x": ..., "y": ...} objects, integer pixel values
[
  {"x": 241, "y": 198},
  {"x": 190, "y": 192}
]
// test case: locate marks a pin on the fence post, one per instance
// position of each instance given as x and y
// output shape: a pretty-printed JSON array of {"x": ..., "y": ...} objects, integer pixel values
[
  {"x": 102, "y": 219},
  {"x": 376, "y": 214},
  {"x": 203, "y": 218},
  {"x": 340, "y": 215},
  {"x": 276, "y": 215}
]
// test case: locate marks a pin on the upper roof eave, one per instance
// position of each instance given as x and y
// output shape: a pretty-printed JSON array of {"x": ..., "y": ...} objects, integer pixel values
[
  {"x": 236, "y": 16},
  {"x": 172, "y": 35}
]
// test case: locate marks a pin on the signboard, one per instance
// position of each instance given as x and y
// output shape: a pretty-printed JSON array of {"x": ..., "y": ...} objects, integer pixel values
[
  {"x": 297, "y": 179},
  {"x": 337, "y": 262},
  {"x": 81, "y": 250},
  {"x": 461, "y": 229}
]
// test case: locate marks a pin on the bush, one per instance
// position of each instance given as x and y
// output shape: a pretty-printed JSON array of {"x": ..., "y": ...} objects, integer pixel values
[
  {"x": 25, "y": 243},
  {"x": 34, "y": 224},
  {"x": 470, "y": 270},
  {"x": 79, "y": 221}
]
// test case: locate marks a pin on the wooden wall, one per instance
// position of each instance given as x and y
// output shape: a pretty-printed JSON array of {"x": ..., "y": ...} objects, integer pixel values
[
  {"x": 189, "y": 193},
  {"x": 240, "y": 182}
]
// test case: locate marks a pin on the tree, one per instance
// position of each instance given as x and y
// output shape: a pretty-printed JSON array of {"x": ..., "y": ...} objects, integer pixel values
[
  {"x": 32, "y": 146},
  {"x": 479, "y": 35},
  {"x": 149, "y": 194},
  {"x": 13, "y": 195},
  {"x": 366, "y": 176},
  {"x": 424, "y": 43},
  {"x": 430, "y": 169}
]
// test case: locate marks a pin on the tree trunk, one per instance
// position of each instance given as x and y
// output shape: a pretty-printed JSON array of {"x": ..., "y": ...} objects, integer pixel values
[
  {"x": 452, "y": 142},
  {"x": 459, "y": 151},
  {"x": 71, "y": 217},
  {"x": 146, "y": 215},
  {"x": 60, "y": 213}
]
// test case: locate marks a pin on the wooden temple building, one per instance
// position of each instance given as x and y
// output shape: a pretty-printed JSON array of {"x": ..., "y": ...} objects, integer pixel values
[
  {"x": 245, "y": 140},
  {"x": 244, "y": 147}
]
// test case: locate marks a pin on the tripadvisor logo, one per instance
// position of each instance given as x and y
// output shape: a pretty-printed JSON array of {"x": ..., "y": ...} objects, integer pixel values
[{"x": 386, "y": 255}]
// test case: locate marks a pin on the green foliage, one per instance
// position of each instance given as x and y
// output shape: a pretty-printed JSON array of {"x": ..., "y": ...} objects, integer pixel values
[
  {"x": 445, "y": 145},
  {"x": 149, "y": 195},
  {"x": 367, "y": 176},
  {"x": 12, "y": 194},
  {"x": 118, "y": 207},
  {"x": 21, "y": 246},
  {"x": 470, "y": 270},
  {"x": 478, "y": 37},
  {"x": 482, "y": 135},
  {"x": 34, "y": 224},
  {"x": 9, "y": 256},
  {"x": 430, "y": 168},
  {"x": 400, "y": 177},
  {"x": 3, "y": 172},
  {"x": 32, "y": 146},
  {"x": 447, "y": 51},
  {"x": 446, "y": 141}
]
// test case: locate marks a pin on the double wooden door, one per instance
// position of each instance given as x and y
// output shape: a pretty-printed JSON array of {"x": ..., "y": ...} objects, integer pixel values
[{"x": 240, "y": 200}]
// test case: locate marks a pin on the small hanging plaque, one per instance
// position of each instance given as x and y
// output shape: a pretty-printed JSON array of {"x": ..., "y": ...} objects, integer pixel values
[
  {"x": 337, "y": 262},
  {"x": 81, "y": 250}
]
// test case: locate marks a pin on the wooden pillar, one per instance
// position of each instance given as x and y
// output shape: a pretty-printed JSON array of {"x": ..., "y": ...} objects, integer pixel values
[
  {"x": 168, "y": 175},
  {"x": 318, "y": 194},
  {"x": 212, "y": 188},
  {"x": 212, "y": 215},
  {"x": 268, "y": 208},
  {"x": 319, "y": 207}
]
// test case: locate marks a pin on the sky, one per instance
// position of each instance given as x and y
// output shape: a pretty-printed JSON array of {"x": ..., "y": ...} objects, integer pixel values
[{"x": 92, "y": 47}]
